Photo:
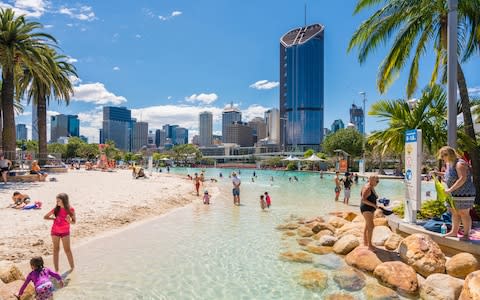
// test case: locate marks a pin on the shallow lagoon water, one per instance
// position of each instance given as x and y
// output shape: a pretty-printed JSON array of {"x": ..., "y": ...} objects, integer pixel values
[{"x": 216, "y": 251}]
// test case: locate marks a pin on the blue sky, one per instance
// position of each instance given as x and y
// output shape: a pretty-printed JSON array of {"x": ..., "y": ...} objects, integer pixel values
[{"x": 170, "y": 60}]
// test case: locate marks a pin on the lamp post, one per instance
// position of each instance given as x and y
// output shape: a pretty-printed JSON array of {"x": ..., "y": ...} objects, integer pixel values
[
  {"x": 452, "y": 72},
  {"x": 364, "y": 94}
]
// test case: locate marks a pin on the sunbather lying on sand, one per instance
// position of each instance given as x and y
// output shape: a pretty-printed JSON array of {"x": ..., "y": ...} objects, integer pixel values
[{"x": 19, "y": 200}]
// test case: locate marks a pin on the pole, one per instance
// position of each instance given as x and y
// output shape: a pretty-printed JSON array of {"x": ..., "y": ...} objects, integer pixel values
[
  {"x": 452, "y": 73},
  {"x": 364, "y": 94}
]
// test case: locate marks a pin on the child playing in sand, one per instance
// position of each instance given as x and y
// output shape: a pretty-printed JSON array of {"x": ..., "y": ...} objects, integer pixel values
[
  {"x": 20, "y": 200},
  {"x": 268, "y": 200},
  {"x": 206, "y": 198},
  {"x": 263, "y": 204},
  {"x": 62, "y": 216},
  {"x": 40, "y": 276}
]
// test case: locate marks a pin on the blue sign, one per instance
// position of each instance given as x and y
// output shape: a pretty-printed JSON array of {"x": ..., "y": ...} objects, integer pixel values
[
  {"x": 408, "y": 175},
  {"x": 411, "y": 136}
]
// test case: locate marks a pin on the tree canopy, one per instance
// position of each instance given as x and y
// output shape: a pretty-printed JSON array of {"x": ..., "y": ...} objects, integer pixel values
[{"x": 349, "y": 140}]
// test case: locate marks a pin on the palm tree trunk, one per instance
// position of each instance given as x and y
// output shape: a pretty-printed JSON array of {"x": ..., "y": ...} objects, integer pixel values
[
  {"x": 8, "y": 114},
  {"x": 473, "y": 150},
  {"x": 42, "y": 129},
  {"x": 1, "y": 128},
  {"x": 400, "y": 165},
  {"x": 380, "y": 165}
]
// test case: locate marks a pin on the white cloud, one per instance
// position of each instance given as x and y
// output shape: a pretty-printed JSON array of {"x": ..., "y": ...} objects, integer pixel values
[
  {"x": 48, "y": 26},
  {"x": 264, "y": 85},
  {"x": 96, "y": 93},
  {"x": 138, "y": 36},
  {"x": 116, "y": 68},
  {"x": 169, "y": 97},
  {"x": 174, "y": 14},
  {"x": 148, "y": 12},
  {"x": 204, "y": 98},
  {"x": 71, "y": 60},
  {"x": 31, "y": 8},
  {"x": 253, "y": 111},
  {"x": 83, "y": 13},
  {"x": 474, "y": 91}
]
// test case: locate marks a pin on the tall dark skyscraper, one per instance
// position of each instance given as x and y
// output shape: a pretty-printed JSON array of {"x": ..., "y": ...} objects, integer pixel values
[
  {"x": 118, "y": 127},
  {"x": 230, "y": 115},
  {"x": 21, "y": 132},
  {"x": 64, "y": 126},
  {"x": 357, "y": 118},
  {"x": 301, "y": 87}
]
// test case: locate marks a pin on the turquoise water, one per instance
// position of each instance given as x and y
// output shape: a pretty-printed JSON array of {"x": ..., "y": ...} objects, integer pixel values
[{"x": 218, "y": 251}]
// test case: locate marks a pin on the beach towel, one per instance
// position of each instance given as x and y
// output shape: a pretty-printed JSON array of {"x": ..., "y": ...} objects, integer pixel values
[{"x": 36, "y": 205}]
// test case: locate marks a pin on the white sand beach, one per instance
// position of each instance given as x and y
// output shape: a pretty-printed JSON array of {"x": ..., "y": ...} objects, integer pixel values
[{"x": 102, "y": 200}]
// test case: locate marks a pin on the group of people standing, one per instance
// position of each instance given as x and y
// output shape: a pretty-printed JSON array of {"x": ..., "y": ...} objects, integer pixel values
[{"x": 347, "y": 182}]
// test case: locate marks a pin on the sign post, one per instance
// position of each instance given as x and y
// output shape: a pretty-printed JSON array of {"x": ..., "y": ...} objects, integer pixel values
[{"x": 413, "y": 180}]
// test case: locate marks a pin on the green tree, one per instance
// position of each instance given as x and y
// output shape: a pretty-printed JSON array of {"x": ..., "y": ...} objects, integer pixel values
[
  {"x": 73, "y": 147},
  {"x": 186, "y": 151},
  {"x": 21, "y": 47},
  {"x": 88, "y": 151},
  {"x": 349, "y": 140},
  {"x": 308, "y": 153},
  {"x": 417, "y": 26},
  {"x": 52, "y": 81},
  {"x": 56, "y": 148}
]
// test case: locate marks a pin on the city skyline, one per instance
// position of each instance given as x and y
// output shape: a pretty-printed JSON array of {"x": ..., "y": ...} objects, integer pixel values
[{"x": 144, "y": 60}]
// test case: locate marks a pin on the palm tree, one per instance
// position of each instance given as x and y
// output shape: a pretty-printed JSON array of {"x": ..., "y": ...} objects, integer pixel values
[
  {"x": 53, "y": 82},
  {"x": 20, "y": 48},
  {"x": 417, "y": 25},
  {"x": 428, "y": 115}
]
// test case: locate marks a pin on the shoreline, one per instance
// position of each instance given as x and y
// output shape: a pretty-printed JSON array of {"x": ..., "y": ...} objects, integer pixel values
[{"x": 29, "y": 234}]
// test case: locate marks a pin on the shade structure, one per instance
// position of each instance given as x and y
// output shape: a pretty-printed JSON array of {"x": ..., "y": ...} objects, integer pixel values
[
  {"x": 314, "y": 157},
  {"x": 165, "y": 158},
  {"x": 291, "y": 158}
]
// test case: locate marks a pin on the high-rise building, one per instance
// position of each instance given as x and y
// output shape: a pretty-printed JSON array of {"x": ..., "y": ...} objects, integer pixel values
[
  {"x": 357, "y": 118},
  {"x": 171, "y": 133},
  {"x": 206, "y": 129},
  {"x": 151, "y": 137},
  {"x": 230, "y": 115},
  {"x": 160, "y": 137},
  {"x": 239, "y": 133},
  {"x": 337, "y": 125},
  {"x": 259, "y": 128},
  {"x": 302, "y": 87},
  {"x": 21, "y": 130},
  {"x": 140, "y": 135},
  {"x": 326, "y": 132},
  {"x": 117, "y": 126},
  {"x": 64, "y": 126},
  {"x": 272, "y": 118},
  {"x": 196, "y": 140},
  {"x": 181, "y": 136},
  {"x": 34, "y": 123}
]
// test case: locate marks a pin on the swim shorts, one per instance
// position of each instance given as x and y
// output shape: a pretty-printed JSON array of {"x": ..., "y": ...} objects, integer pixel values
[
  {"x": 44, "y": 291},
  {"x": 60, "y": 235},
  {"x": 236, "y": 192}
]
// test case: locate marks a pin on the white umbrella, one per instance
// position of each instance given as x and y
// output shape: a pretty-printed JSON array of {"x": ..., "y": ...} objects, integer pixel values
[
  {"x": 314, "y": 158},
  {"x": 165, "y": 158},
  {"x": 291, "y": 158}
]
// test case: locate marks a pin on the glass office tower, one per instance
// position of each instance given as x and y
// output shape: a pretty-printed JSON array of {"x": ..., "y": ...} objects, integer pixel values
[{"x": 301, "y": 87}]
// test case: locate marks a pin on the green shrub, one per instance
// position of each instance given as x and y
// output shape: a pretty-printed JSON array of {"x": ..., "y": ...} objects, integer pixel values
[
  {"x": 432, "y": 208},
  {"x": 291, "y": 166},
  {"x": 399, "y": 210}
]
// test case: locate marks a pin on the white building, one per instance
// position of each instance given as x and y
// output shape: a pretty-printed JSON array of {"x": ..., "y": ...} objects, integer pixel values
[{"x": 272, "y": 118}]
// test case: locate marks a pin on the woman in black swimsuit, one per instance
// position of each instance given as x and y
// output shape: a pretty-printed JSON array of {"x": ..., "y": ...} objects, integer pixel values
[{"x": 368, "y": 207}]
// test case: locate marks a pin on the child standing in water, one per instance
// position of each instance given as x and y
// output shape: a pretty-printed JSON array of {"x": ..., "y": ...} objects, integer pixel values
[
  {"x": 267, "y": 199},
  {"x": 62, "y": 216},
  {"x": 40, "y": 276},
  {"x": 263, "y": 204},
  {"x": 206, "y": 198}
]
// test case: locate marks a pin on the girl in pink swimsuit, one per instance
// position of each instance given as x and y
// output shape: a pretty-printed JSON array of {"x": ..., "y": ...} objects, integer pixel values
[
  {"x": 40, "y": 276},
  {"x": 62, "y": 216}
]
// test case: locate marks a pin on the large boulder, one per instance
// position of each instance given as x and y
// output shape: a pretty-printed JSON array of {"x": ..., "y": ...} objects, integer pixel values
[
  {"x": 327, "y": 240},
  {"x": 380, "y": 222},
  {"x": 349, "y": 216},
  {"x": 349, "y": 227},
  {"x": 471, "y": 287},
  {"x": 397, "y": 275},
  {"x": 322, "y": 226},
  {"x": 10, "y": 274},
  {"x": 313, "y": 279},
  {"x": 359, "y": 219},
  {"x": 322, "y": 233},
  {"x": 337, "y": 222},
  {"x": 350, "y": 279},
  {"x": 441, "y": 287},
  {"x": 423, "y": 254},
  {"x": 340, "y": 296},
  {"x": 346, "y": 244},
  {"x": 461, "y": 265},
  {"x": 289, "y": 233},
  {"x": 393, "y": 241},
  {"x": 329, "y": 261},
  {"x": 363, "y": 259},
  {"x": 304, "y": 231},
  {"x": 304, "y": 241},
  {"x": 298, "y": 256},
  {"x": 315, "y": 249},
  {"x": 380, "y": 235},
  {"x": 8, "y": 290},
  {"x": 374, "y": 291}
]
